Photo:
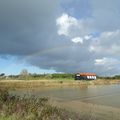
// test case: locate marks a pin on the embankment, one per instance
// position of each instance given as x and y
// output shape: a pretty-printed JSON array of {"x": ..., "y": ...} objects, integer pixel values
[{"x": 20, "y": 84}]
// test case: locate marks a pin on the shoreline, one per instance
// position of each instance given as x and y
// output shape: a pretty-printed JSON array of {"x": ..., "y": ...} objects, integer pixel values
[
  {"x": 88, "y": 109},
  {"x": 31, "y": 84}
]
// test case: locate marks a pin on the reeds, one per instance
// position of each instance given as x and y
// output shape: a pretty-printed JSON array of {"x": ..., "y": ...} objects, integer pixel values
[
  {"x": 31, "y": 108},
  {"x": 31, "y": 84}
]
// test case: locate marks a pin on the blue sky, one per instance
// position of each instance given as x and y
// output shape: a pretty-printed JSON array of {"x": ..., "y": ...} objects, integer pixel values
[
  {"x": 60, "y": 36},
  {"x": 11, "y": 67}
]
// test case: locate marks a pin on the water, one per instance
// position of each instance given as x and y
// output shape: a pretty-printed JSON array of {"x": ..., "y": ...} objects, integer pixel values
[{"x": 108, "y": 95}]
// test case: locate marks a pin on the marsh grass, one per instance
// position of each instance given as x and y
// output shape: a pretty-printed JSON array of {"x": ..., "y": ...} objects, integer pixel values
[
  {"x": 31, "y": 84},
  {"x": 24, "y": 108},
  {"x": 14, "y": 107}
]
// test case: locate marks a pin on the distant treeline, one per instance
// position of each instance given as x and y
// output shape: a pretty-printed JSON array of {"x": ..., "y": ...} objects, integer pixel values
[
  {"x": 40, "y": 76},
  {"x": 60, "y": 76},
  {"x": 109, "y": 77}
]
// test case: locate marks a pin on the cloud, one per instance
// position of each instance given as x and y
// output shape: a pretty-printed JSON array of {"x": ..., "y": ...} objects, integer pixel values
[
  {"x": 65, "y": 23},
  {"x": 26, "y": 25},
  {"x": 74, "y": 29},
  {"x": 43, "y": 33},
  {"x": 77, "y": 8},
  {"x": 106, "y": 61},
  {"x": 71, "y": 27},
  {"x": 108, "y": 65},
  {"x": 77, "y": 40},
  {"x": 88, "y": 37},
  {"x": 106, "y": 15},
  {"x": 107, "y": 43}
]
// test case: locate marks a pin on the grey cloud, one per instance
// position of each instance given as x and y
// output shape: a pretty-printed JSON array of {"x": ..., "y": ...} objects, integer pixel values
[
  {"x": 28, "y": 31},
  {"x": 106, "y": 14},
  {"x": 107, "y": 44},
  {"x": 77, "y": 8},
  {"x": 63, "y": 58},
  {"x": 26, "y": 25}
]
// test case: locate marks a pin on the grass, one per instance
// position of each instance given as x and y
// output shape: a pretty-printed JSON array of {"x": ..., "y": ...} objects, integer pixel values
[
  {"x": 31, "y": 84},
  {"x": 15, "y": 108},
  {"x": 6, "y": 118},
  {"x": 32, "y": 108}
]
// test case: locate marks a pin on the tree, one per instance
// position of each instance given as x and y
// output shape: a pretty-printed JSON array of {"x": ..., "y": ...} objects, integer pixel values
[
  {"x": 24, "y": 72},
  {"x": 2, "y": 74}
]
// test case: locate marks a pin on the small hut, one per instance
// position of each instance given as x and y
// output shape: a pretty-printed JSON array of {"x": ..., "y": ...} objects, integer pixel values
[{"x": 85, "y": 76}]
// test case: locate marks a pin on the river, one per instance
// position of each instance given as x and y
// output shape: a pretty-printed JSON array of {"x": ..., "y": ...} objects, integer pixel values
[{"x": 103, "y": 97}]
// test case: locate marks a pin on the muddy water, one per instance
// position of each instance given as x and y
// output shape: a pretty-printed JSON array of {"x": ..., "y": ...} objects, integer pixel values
[
  {"x": 101, "y": 100},
  {"x": 108, "y": 95}
]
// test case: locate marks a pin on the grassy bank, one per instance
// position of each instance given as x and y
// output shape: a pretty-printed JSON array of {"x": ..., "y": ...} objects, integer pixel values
[
  {"x": 17, "y": 108},
  {"x": 31, "y": 84}
]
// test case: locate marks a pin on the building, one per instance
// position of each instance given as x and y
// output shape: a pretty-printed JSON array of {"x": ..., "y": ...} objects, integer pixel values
[{"x": 85, "y": 76}]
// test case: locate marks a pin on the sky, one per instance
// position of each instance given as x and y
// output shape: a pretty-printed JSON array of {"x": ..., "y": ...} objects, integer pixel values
[{"x": 60, "y": 36}]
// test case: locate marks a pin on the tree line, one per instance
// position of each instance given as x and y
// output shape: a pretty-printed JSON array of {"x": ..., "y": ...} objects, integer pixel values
[{"x": 25, "y": 75}]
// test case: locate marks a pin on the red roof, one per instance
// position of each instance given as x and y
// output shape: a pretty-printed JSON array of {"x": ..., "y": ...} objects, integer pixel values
[{"x": 87, "y": 74}]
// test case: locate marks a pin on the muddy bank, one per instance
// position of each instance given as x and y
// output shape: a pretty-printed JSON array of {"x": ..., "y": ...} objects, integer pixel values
[{"x": 89, "y": 110}]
